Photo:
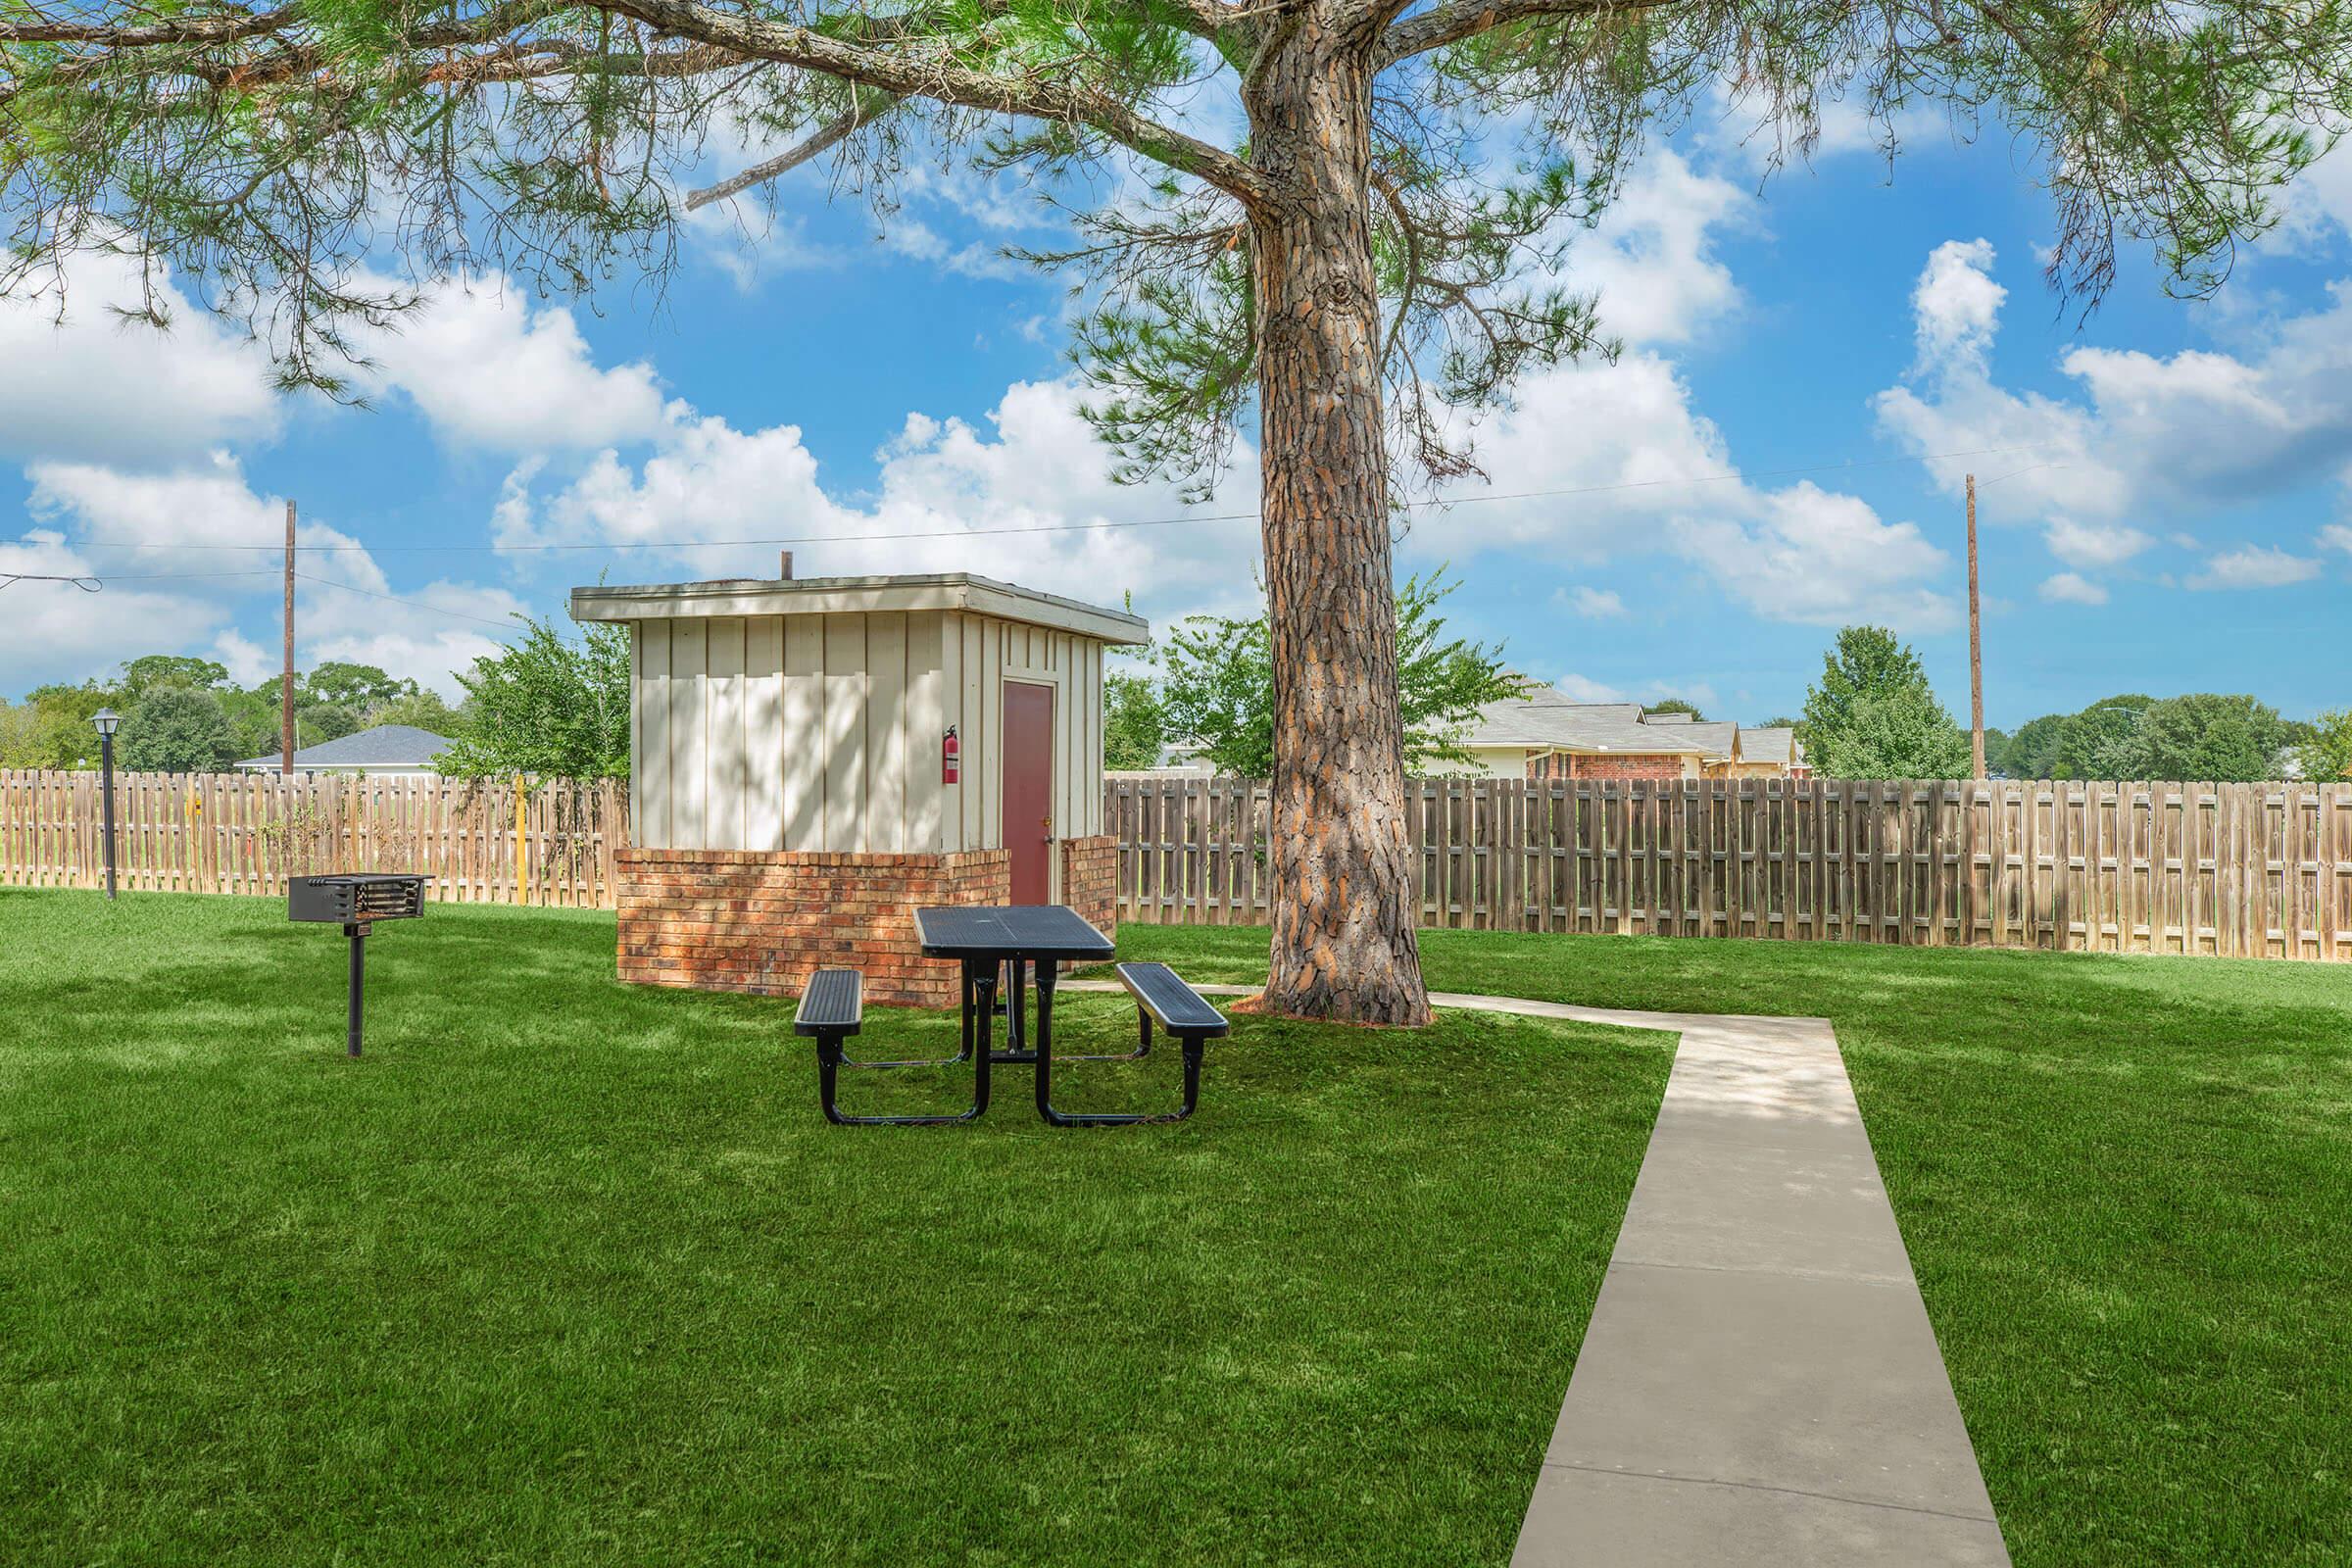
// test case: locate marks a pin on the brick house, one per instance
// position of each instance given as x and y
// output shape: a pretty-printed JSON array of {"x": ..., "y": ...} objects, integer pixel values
[{"x": 1545, "y": 735}]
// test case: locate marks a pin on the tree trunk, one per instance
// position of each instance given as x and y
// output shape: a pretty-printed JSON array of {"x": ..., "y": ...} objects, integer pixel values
[{"x": 1344, "y": 945}]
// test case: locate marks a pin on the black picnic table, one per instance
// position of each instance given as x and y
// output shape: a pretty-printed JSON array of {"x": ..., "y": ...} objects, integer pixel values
[{"x": 1014, "y": 938}]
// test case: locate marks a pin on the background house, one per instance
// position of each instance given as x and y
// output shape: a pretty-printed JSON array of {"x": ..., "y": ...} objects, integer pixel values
[
  {"x": 1547, "y": 735},
  {"x": 387, "y": 748}
]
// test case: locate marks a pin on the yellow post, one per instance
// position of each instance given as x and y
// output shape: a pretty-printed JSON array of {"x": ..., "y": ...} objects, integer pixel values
[{"x": 523, "y": 885}]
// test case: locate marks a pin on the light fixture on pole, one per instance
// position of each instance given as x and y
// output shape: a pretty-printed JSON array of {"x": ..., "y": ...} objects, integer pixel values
[{"x": 106, "y": 721}]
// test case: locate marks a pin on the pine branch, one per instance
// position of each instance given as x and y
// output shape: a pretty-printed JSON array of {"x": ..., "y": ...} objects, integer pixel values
[{"x": 1457, "y": 20}]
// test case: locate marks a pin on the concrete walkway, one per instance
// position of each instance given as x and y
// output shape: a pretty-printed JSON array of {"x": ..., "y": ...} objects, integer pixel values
[{"x": 1759, "y": 1383}]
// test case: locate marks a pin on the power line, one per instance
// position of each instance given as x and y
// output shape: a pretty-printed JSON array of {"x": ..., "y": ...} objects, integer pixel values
[
  {"x": 1073, "y": 528},
  {"x": 88, "y": 584}
]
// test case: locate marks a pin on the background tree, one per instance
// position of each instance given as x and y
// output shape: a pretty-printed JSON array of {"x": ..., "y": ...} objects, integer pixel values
[
  {"x": 153, "y": 672},
  {"x": 176, "y": 729},
  {"x": 1873, "y": 715},
  {"x": 356, "y": 689},
  {"x": 1219, "y": 684},
  {"x": 420, "y": 710},
  {"x": 38, "y": 735},
  {"x": 1675, "y": 705},
  {"x": 547, "y": 705},
  {"x": 1217, "y": 692},
  {"x": 1134, "y": 723},
  {"x": 2032, "y": 751},
  {"x": 315, "y": 723},
  {"x": 2208, "y": 737},
  {"x": 2104, "y": 740},
  {"x": 1362, "y": 262},
  {"x": 2325, "y": 753}
]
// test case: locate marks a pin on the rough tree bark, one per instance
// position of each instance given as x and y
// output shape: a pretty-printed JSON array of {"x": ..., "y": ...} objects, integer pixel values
[{"x": 1344, "y": 945}]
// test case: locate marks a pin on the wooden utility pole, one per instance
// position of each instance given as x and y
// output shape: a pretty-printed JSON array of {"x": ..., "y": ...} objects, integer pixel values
[
  {"x": 1975, "y": 645},
  {"x": 286, "y": 682}
]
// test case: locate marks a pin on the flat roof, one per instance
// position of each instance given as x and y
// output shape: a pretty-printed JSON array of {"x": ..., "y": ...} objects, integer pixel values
[{"x": 836, "y": 595}]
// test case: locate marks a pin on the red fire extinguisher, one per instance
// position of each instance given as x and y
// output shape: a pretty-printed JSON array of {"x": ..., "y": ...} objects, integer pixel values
[{"x": 951, "y": 754}]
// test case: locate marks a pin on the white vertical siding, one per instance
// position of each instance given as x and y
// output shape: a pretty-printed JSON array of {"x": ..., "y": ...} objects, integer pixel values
[
  {"x": 804, "y": 760},
  {"x": 926, "y": 726},
  {"x": 823, "y": 732},
  {"x": 763, "y": 733},
  {"x": 886, "y": 732},
  {"x": 726, "y": 775},
  {"x": 847, "y": 684},
  {"x": 689, "y": 730}
]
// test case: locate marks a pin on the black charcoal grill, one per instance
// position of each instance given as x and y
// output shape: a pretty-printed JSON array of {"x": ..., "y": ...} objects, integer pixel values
[{"x": 354, "y": 900}]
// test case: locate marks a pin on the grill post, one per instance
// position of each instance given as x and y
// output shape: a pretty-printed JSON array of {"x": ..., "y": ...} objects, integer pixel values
[{"x": 356, "y": 931}]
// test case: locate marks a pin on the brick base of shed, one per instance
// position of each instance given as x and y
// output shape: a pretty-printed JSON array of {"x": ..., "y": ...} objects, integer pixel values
[{"x": 761, "y": 921}]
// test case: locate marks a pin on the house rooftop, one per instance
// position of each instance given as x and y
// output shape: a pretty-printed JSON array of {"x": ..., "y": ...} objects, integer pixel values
[
  {"x": 1776, "y": 744},
  {"x": 1545, "y": 718},
  {"x": 385, "y": 745}
]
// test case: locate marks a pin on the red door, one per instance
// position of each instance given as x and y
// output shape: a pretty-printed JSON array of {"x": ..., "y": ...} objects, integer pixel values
[{"x": 1028, "y": 744}]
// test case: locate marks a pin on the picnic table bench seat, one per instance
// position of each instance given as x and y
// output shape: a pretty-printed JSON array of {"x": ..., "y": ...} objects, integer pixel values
[
  {"x": 832, "y": 1009},
  {"x": 1161, "y": 997}
]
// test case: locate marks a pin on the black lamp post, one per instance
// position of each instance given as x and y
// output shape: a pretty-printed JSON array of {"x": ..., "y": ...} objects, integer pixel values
[{"x": 105, "y": 719}]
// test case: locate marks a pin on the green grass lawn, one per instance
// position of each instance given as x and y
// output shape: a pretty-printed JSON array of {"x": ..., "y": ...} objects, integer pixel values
[
  {"x": 568, "y": 1272},
  {"x": 2126, "y": 1184}
]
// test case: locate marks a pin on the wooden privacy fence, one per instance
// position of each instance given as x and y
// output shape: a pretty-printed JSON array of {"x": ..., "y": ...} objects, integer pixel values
[
  {"x": 487, "y": 842},
  {"x": 2243, "y": 869}
]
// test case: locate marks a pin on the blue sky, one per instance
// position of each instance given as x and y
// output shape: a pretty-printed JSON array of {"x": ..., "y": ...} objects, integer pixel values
[{"x": 1809, "y": 370}]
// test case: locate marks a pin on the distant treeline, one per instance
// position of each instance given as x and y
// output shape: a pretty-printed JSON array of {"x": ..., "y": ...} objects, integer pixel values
[{"x": 2205, "y": 736}]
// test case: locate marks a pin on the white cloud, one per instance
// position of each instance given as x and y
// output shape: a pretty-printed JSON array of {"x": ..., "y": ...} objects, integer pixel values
[
  {"x": 1823, "y": 559},
  {"x": 1615, "y": 459},
  {"x": 150, "y": 514},
  {"x": 2148, "y": 438},
  {"x": 489, "y": 369},
  {"x": 1594, "y": 604},
  {"x": 247, "y": 662},
  {"x": 2080, "y": 544},
  {"x": 2335, "y": 536},
  {"x": 1651, "y": 257},
  {"x": 57, "y": 625},
  {"x": 149, "y": 521},
  {"x": 1009, "y": 500},
  {"x": 1582, "y": 689},
  {"x": 2073, "y": 588},
  {"x": 2254, "y": 566},
  {"x": 98, "y": 388},
  {"x": 1956, "y": 305}
]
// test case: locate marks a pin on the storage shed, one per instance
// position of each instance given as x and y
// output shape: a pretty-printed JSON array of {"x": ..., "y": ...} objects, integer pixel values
[{"x": 812, "y": 760}]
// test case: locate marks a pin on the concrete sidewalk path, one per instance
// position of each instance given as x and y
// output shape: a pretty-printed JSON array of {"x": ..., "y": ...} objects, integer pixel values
[{"x": 1759, "y": 1383}]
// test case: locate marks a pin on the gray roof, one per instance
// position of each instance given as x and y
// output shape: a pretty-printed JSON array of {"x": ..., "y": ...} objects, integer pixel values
[
  {"x": 1718, "y": 735},
  {"x": 385, "y": 745},
  {"x": 1545, "y": 719},
  {"x": 1776, "y": 745}
]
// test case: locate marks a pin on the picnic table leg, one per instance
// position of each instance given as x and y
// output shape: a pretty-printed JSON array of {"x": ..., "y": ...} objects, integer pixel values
[
  {"x": 1142, "y": 1045},
  {"x": 830, "y": 1059},
  {"x": 1016, "y": 1028},
  {"x": 1193, "y": 1047}
]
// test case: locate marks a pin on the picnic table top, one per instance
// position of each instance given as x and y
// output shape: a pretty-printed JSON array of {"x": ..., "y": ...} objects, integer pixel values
[{"x": 1009, "y": 931}]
